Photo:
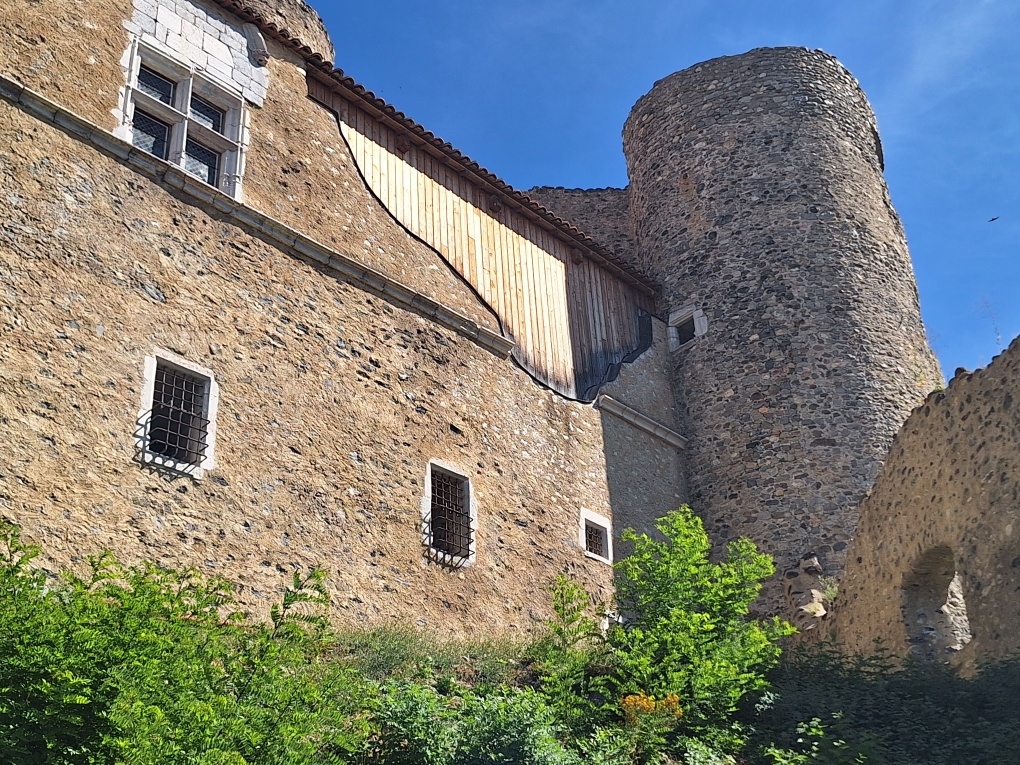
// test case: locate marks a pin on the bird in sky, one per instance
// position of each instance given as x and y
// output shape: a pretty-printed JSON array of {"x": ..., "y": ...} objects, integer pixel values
[{"x": 992, "y": 220}]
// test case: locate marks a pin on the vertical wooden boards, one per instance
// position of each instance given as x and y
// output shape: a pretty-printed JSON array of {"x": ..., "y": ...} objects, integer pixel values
[{"x": 572, "y": 320}]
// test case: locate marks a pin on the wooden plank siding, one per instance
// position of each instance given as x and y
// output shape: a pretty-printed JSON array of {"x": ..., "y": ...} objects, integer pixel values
[{"x": 571, "y": 319}]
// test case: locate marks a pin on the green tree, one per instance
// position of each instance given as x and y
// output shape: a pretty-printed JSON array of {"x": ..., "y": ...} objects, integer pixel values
[{"x": 672, "y": 670}]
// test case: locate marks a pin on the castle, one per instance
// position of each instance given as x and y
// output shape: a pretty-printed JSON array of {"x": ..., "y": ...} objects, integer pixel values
[{"x": 254, "y": 319}]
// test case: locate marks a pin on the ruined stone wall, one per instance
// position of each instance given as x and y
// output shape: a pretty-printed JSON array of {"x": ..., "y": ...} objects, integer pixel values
[
  {"x": 945, "y": 507},
  {"x": 757, "y": 196},
  {"x": 332, "y": 399}
]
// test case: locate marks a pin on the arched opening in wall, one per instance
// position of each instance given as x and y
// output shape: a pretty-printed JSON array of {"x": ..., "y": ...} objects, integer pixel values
[{"x": 933, "y": 607}]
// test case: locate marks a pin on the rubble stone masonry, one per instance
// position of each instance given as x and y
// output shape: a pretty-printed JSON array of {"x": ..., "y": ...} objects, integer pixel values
[
  {"x": 332, "y": 399},
  {"x": 757, "y": 197},
  {"x": 945, "y": 509}
]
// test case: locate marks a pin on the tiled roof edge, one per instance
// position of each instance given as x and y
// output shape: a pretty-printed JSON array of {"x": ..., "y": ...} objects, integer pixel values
[{"x": 338, "y": 81}]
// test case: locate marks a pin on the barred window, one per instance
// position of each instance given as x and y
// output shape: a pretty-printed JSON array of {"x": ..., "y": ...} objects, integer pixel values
[
  {"x": 448, "y": 530},
  {"x": 595, "y": 537},
  {"x": 182, "y": 116},
  {"x": 178, "y": 427},
  {"x": 176, "y": 424}
]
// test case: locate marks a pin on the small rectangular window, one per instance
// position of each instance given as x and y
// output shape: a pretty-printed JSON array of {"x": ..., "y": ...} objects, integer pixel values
[
  {"x": 178, "y": 426},
  {"x": 206, "y": 114},
  {"x": 451, "y": 521},
  {"x": 595, "y": 540},
  {"x": 685, "y": 331},
  {"x": 156, "y": 85},
  {"x": 448, "y": 521},
  {"x": 200, "y": 161},
  {"x": 595, "y": 536},
  {"x": 151, "y": 134},
  {"x": 177, "y": 422}
]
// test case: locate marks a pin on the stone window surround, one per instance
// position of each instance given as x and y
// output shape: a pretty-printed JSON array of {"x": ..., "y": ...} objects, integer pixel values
[
  {"x": 440, "y": 556},
  {"x": 159, "y": 461},
  {"x": 595, "y": 519},
  {"x": 680, "y": 315},
  {"x": 231, "y": 145}
]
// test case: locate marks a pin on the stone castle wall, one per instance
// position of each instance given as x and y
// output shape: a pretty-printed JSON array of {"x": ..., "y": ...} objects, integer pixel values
[
  {"x": 603, "y": 214},
  {"x": 757, "y": 197},
  {"x": 333, "y": 399},
  {"x": 945, "y": 507}
]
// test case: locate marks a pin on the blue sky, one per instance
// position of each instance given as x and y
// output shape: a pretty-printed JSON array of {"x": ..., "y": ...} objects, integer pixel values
[{"x": 537, "y": 91}]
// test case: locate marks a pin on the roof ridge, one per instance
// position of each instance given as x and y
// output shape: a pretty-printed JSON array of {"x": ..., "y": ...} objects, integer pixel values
[{"x": 336, "y": 77}]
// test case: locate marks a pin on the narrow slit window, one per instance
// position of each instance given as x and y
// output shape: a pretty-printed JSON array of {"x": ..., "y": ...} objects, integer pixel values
[{"x": 178, "y": 427}]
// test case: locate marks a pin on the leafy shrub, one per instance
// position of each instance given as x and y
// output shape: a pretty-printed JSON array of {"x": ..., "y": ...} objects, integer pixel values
[
  {"x": 674, "y": 669},
  {"x": 140, "y": 665},
  {"x": 420, "y": 726}
]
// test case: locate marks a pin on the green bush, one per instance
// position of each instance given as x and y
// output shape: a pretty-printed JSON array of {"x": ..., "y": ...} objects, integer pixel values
[
  {"x": 674, "y": 669},
  {"x": 420, "y": 726},
  {"x": 140, "y": 665}
]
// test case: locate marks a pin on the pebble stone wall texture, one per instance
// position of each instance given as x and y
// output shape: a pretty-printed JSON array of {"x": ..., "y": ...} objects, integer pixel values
[
  {"x": 603, "y": 214},
  {"x": 298, "y": 18},
  {"x": 950, "y": 488},
  {"x": 757, "y": 195},
  {"x": 332, "y": 401}
]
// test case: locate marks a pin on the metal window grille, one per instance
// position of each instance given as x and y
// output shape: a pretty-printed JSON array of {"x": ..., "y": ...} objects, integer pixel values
[
  {"x": 595, "y": 540},
  {"x": 150, "y": 134},
  {"x": 200, "y": 161},
  {"x": 450, "y": 517},
  {"x": 206, "y": 114},
  {"x": 178, "y": 427},
  {"x": 156, "y": 85}
]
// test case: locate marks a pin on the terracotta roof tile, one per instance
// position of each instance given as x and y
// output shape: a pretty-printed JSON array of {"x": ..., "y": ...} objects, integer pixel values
[{"x": 340, "y": 82}]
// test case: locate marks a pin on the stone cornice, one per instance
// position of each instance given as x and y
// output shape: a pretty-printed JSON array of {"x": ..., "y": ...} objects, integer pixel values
[
  {"x": 275, "y": 232},
  {"x": 641, "y": 421}
]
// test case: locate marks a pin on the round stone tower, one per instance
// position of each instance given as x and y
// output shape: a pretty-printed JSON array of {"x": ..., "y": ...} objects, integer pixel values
[{"x": 758, "y": 201}]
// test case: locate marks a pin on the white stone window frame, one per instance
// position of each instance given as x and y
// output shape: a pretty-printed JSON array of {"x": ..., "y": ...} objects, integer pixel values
[
  {"x": 441, "y": 556},
  {"x": 212, "y": 400},
  {"x": 230, "y": 145},
  {"x": 680, "y": 316},
  {"x": 595, "y": 519}
]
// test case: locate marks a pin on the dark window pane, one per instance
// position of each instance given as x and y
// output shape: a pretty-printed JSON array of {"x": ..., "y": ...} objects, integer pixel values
[
  {"x": 206, "y": 114},
  {"x": 156, "y": 85},
  {"x": 151, "y": 135},
  {"x": 595, "y": 539},
  {"x": 178, "y": 428},
  {"x": 450, "y": 519},
  {"x": 685, "y": 331},
  {"x": 200, "y": 161}
]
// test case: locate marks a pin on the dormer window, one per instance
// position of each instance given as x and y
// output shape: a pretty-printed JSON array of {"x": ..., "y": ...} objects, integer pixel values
[{"x": 182, "y": 116}]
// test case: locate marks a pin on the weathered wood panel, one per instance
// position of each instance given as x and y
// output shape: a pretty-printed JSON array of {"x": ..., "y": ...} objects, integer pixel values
[{"x": 572, "y": 320}]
